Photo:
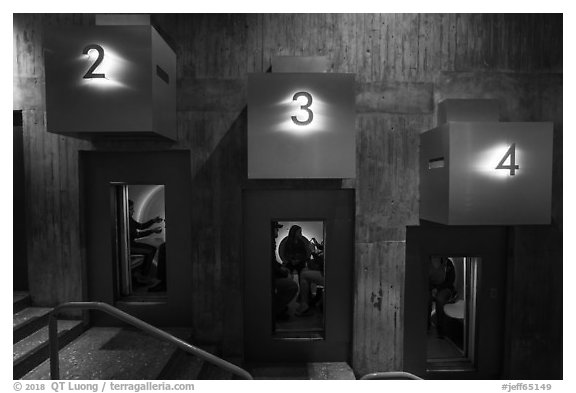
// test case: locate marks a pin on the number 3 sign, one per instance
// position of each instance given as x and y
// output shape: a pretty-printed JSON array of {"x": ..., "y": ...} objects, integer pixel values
[
  {"x": 301, "y": 125},
  {"x": 305, "y": 107}
]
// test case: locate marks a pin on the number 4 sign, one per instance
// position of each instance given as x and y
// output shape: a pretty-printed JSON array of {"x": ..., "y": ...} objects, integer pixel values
[
  {"x": 470, "y": 173},
  {"x": 510, "y": 154}
]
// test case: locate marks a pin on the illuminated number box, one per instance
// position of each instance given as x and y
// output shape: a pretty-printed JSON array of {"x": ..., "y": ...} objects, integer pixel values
[
  {"x": 110, "y": 80},
  {"x": 486, "y": 173},
  {"x": 301, "y": 125}
]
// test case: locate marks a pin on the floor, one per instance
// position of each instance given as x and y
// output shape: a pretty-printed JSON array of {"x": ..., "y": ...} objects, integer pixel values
[
  {"x": 304, "y": 371},
  {"x": 309, "y": 326},
  {"x": 153, "y": 286},
  {"x": 441, "y": 348},
  {"x": 112, "y": 353}
]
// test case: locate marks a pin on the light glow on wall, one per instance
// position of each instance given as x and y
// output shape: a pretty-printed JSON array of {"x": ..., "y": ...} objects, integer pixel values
[
  {"x": 487, "y": 161},
  {"x": 290, "y": 107},
  {"x": 113, "y": 66}
]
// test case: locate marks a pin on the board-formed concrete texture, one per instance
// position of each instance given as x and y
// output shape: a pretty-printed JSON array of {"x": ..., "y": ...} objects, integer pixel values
[{"x": 404, "y": 64}]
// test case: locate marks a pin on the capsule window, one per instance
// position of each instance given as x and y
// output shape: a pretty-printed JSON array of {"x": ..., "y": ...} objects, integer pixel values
[
  {"x": 298, "y": 279},
  {"x": 452, "y": 303},
  {"x": 140, "y": 240}
]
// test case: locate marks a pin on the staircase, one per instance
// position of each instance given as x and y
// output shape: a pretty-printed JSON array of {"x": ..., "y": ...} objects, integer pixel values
[
  {"x": 127, "y": 353},
  {"x": 100, "y": 353},
  {"x": 30, "y": 334},
  {"x": 111, "y": 353}
]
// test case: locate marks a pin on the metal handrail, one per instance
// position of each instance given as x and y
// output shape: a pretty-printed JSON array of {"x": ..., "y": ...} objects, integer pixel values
[
  {"x": 390, "y": 375},
  {"x": 154, "y": 331}
]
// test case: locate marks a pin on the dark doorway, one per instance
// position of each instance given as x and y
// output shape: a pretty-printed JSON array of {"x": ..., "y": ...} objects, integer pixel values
[
  {"x": 147, "y": 273},
  {"x": 298, "y": 274},
  {"x": 19, "y": 261},
  {"x": 455, "y": 301}
]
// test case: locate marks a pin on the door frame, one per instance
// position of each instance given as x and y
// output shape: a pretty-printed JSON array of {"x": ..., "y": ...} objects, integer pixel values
[
  {"x": 335, "y": 207},
  {"x": 490, "y": 243},
  {"x": 99, "y": 170}
]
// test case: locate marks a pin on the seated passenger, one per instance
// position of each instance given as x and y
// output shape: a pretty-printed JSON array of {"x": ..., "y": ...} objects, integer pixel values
[
  {"x": 138, "y": 231},
  {"x": 160, "y": 286},
  {"x": 295, "y": 249},
  {"x": 285, "y": 288},
  {"x": 441, "y": 276},
  {"x": 313, "y": 274}
]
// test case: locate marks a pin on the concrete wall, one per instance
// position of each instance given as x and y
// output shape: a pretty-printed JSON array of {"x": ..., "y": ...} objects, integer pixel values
[{"x": 404, "y": 65}]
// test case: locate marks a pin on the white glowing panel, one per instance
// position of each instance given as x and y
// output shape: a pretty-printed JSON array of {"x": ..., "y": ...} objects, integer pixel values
[
  {"x": 486, "y": 173},
  {"x": 301, "y": 126},
  {"x": 110, "y": 80}
]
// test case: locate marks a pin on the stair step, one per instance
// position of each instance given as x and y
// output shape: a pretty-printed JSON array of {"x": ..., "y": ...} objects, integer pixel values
[
  {"x": 112, "y": 353},
  {"x": 305, "y": 371},
  {"x": 29, "y": 320},
  {"x": 21, "y": 301},
  {"x": 34, "y": 349}
]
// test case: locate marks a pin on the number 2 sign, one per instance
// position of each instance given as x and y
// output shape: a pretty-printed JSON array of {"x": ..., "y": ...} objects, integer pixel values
[
  {"x": 90, "y": 73},
  {"x": 110, "y": 80}
]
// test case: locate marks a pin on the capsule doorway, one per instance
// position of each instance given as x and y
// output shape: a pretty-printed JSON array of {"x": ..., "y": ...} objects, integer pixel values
[
  {"x": 146, "y": 273},
  {"x": 455, "y": 301},
  {"x": 453, "y": 284},
  {"x": 298, "y": 270}
]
